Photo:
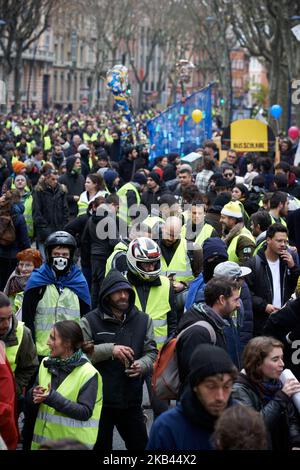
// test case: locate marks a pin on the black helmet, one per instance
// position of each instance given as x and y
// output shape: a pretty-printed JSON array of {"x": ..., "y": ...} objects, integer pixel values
[{"x": 60, "y": 238}]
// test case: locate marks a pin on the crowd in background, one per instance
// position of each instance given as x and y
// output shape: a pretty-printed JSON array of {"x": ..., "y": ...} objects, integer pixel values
[{"x": 92, "y": 233}]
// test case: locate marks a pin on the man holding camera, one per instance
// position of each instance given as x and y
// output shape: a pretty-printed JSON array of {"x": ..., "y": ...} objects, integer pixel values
[
  {"x": 274, "y": 276},
  {"x": 123, "y": 350}
]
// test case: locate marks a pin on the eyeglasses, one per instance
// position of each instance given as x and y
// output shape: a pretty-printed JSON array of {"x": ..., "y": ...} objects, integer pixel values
[{"x": 228, "y": 175}]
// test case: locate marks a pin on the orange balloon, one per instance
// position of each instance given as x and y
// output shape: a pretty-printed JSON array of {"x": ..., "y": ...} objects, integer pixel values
[{"x": 197, "y": 115}]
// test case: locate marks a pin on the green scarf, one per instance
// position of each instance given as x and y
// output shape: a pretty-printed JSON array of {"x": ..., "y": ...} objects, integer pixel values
[{"x": 58, "y": 362}]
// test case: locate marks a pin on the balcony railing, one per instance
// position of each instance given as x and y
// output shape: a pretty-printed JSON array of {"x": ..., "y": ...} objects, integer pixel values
[{"x": 39, "y": 54}]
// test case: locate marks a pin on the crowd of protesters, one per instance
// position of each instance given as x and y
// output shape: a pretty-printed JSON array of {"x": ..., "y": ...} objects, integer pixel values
[{"x": 105, "y": 255}]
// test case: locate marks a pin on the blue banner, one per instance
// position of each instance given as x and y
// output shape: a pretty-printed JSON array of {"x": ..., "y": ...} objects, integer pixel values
[{"x": 174, "y": 130}]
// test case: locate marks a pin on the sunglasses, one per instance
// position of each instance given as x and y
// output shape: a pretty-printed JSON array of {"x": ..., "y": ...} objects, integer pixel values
[{"x": 228, "y": 175}]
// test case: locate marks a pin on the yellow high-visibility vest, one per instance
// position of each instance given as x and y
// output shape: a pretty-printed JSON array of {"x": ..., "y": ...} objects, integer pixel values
[{"x": 51, "y": 424}]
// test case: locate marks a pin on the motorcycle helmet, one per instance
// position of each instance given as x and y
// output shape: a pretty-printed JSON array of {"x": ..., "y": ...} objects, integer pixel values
[{"x": 144, "y": 250}]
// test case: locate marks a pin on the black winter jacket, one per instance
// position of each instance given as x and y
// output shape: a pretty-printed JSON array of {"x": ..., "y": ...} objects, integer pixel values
[
  {"x": 119, "y": 390},
  {"x": 77, "y": 228},
  {"x": 75, "y": 186},
  {"x": 49, "y": 210},
  {"x": 101, "y": 245},
  {"x": 279, "y": 325},
  {"x": 246, "y": 329},
  {"x": 261, "y": 287},
  {"x": 280, "y": 415},
  {"x": 187, "y": 343},
  {"x": 150, "y": 198},
  {"x": 127, "y": 168}
]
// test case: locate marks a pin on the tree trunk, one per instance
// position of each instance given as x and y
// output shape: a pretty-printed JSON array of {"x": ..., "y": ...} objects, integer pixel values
[
  {"x": 140, "y": 95},
  {"x": 17, "y": 79},
  {"x": 283, "y": 97}
]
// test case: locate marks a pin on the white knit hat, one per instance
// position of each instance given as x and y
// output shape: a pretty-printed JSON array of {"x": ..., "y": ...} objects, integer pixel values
[{"x": 232, "y": 209}]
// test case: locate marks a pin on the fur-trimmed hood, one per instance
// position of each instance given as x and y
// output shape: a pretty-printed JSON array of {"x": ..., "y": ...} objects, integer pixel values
[{"x": 233, "y": 233}]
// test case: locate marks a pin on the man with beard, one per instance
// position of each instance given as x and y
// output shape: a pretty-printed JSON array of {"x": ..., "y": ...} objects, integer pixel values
[
  {"x": 189, "y": 426},
  {"x": 279, "y": 207},
  {"x": 58, "y": 156},
  {"x": 123, "y": 350},
  {"x": 222, "y": 298},
  {"x": 239, "y": 240}
]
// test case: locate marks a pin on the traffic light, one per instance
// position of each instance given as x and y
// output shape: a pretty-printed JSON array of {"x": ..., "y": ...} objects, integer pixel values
[
  {"x": 222, "y": 101},
  {"x": 128, "y": 91}
]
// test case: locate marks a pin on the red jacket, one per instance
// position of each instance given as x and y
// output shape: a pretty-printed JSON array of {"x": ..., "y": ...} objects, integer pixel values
[{"x": 8, "y": 406}]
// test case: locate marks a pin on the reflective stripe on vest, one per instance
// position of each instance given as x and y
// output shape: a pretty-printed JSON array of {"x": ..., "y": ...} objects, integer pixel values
[
  {"x": 180, "y": 264},
  {"x": 157, "y": 308},
  {"x": 281, "y": 221},
  {"x": 231, "y": 250},
  {"x": 12, "y": 351},
  {"x": 51, "y": 424},
  {"x": 122, "y": 193},
  {"x": 51, "y": 308}
]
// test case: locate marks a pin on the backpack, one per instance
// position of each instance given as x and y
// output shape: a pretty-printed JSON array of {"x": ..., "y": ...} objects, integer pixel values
[
  {"x": 7, "y": 230},
  {"x": 165, "y": 378}
]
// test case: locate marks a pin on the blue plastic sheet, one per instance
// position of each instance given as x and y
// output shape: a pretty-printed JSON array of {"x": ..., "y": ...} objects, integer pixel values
[{"x": 171, "y": 133}]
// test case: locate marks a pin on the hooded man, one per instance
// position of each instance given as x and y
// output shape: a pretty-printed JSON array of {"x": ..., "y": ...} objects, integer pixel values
[
  {"x": 122, "y": 350},
  {"x": 189, "y": 426},
  {"x": 56, "y": 291},
  {"x": 74, "y": 182}
]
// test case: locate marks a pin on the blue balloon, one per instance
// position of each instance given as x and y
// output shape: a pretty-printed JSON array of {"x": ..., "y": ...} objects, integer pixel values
[{"x": 276, "y": 111}]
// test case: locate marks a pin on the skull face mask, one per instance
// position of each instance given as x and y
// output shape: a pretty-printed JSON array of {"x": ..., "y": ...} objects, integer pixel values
[{"x": 60, "y": 264}]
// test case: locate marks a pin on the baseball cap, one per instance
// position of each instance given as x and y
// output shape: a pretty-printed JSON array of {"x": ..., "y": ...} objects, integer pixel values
[{"x": 231, "y": 269}]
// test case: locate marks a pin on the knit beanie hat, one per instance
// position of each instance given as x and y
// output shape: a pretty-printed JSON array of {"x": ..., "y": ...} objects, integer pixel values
[
  {"x": 214, "y": 246},
  {"x": 232, "y": 209},
  {"x": 139, "y": 178},
  {"x": 110, "y": 176},
  {"x": 208, "y": 360},
  {"x": 155, "y": 176}
]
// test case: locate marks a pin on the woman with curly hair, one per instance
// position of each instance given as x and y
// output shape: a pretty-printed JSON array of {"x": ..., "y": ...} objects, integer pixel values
[{"x": 28, "y": 260}]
